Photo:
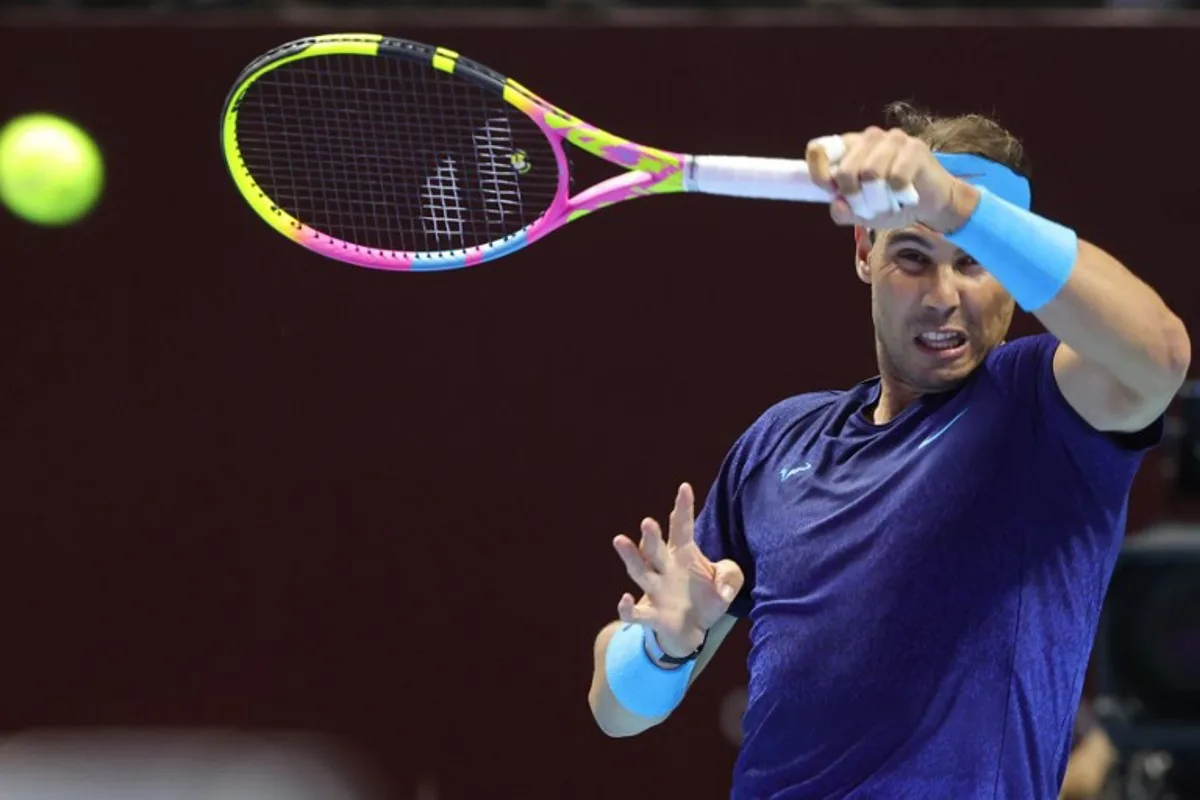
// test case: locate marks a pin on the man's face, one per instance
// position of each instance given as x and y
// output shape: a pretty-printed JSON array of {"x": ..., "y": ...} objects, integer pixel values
[{"x": 937, "y": 312}]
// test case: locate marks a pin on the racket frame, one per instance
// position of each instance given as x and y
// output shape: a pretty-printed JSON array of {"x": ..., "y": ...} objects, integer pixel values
[{"x": 647, "y": 170}]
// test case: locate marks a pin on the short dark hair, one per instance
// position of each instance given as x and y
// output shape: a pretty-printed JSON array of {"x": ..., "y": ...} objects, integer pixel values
[{"x": 964, "y": 133}]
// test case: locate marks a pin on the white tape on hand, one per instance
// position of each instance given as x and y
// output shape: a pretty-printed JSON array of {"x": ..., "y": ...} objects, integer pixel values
[
  {"x": 858, "y": 204},
  {"x": 877, "y": 197},
  {"x": 834, "y": 147},
  {"x": 907, "y": 196}
]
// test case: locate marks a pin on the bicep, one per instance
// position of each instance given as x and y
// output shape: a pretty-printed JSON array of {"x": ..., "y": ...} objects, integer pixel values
[{"x": 1098, "y": 397}]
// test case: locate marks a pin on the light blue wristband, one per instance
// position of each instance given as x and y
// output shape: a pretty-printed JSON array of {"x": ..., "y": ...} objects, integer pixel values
[
  {"x": 1029, "y": 255},
  {"x": 640, "y": 685}
]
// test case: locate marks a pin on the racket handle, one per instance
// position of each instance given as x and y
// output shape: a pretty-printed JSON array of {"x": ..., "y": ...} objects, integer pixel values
[{"x": 759, "y": 178}]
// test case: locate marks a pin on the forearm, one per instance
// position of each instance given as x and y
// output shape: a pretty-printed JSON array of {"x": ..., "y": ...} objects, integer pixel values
[
  {"x": 1105, "y": 314},
  {"x": 1113, "y": 319},
  {"x": 612, "y": 718}
]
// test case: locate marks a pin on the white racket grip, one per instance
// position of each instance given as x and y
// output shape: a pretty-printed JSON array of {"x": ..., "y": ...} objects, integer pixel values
[{"x": 747, "y": 176}]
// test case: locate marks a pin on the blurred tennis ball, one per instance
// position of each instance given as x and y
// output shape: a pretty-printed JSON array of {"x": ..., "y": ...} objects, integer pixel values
[{"x": 51, "y": 171}]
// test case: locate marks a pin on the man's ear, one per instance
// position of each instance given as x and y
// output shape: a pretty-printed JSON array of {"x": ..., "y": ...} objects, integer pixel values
[{"x": 863, "y": 239}]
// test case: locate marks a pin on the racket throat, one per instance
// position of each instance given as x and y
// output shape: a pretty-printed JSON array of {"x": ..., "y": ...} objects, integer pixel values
[{"x": 627, "y": 186}]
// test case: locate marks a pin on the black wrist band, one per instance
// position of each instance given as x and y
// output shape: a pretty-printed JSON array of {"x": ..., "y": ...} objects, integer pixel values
[{"x": 666, "y": 658}]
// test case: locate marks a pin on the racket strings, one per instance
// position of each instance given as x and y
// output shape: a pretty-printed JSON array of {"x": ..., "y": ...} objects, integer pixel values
[{"x": 390, "y": 154}]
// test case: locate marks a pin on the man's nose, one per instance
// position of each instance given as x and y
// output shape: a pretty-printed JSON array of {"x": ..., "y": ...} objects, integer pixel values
[{"x": 941, "y": 290}]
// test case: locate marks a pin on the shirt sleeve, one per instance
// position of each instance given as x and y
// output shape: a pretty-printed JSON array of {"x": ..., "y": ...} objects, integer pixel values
[
  {"x": 1024, "y": 368},
  {"x": 718, "y": 531}
]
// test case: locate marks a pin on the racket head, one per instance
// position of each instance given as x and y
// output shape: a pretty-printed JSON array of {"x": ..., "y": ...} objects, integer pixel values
[{"x": 395, "y": 155}]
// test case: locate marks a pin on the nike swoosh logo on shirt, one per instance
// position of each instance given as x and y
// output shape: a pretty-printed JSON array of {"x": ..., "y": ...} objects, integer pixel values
[{"x": 933, "y": 436}]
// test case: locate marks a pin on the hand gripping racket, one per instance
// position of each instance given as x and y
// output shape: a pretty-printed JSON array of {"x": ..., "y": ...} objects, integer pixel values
[{"x": 396, "y": 155}]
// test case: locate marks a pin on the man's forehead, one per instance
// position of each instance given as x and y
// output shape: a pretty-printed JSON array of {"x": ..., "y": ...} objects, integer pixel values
[{"x": 916, "y": 233}]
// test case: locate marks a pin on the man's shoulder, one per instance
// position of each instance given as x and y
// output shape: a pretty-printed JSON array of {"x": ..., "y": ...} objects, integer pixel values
[
  {"x": 773, "y": 426},
  {"x": 786, "y": 414},
  {"x": 1024, "y": 353},
  {"x": 799, "y": 406}
]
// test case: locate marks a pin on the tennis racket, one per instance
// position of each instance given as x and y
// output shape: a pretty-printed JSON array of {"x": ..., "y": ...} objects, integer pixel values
[{"x": 395, "y": 155}]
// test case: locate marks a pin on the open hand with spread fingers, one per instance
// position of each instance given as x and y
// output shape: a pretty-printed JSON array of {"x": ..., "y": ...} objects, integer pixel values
[
  {"x": 685, "y": 593},
  {"x": 888, "y": 179}
]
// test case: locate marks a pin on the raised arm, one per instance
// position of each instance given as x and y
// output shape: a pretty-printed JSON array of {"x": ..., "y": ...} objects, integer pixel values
[
  {"x": 645, "y": 662},
  {"x": 1123, "y": 353}
]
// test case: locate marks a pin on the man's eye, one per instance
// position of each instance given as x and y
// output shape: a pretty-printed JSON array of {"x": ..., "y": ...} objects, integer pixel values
[
  {"x": 966, "y": 264},
  {"x": 915, "y": 257}
]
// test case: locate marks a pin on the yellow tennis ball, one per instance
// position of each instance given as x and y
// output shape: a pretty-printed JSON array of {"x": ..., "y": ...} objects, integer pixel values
[{"x": 51, "y": 172}]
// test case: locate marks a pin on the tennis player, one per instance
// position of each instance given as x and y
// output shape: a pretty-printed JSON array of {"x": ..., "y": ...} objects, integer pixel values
[{"x": 922, "y": 557}]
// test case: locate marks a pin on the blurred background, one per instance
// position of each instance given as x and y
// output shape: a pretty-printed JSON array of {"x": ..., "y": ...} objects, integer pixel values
[{"x": 276, "y": 527}]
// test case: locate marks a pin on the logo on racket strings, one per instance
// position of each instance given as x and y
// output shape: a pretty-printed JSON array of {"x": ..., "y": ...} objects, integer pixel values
[{"x": 520, "y": 161}]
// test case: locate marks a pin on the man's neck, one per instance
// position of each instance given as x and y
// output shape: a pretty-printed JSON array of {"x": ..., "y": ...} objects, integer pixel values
[{"x": 893, "y": 399}]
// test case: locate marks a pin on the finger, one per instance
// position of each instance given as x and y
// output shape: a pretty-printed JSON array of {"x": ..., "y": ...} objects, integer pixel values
[
  {"x": 910, "y": 160},
  {"x": 858, "y": 206},
  {"x": 821, "y": 154},
  {"x": 847, "y": 175},
  {"x": 907, "y": 196},
  {"x": 652, "y": 546},
  {"x": 841, "y": 212},
  {"x": 874, "y": 172},
  {"x": 834, "y": 147},
  {"x": 847, "y": 141},
  {"x": 877, "y": 164},
  {"x": 876, "y": 198},
  {"x": 635, "y": 565},
  {"x": 861, "y": 172},
  {"x": 683, "y": 520},
  {"x": 728, "y": 579},
  {"x": 629, "y": 611}
]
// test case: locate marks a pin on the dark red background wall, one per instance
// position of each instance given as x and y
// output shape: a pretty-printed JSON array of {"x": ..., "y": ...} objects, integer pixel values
[{"x": 247, "y": 486}]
